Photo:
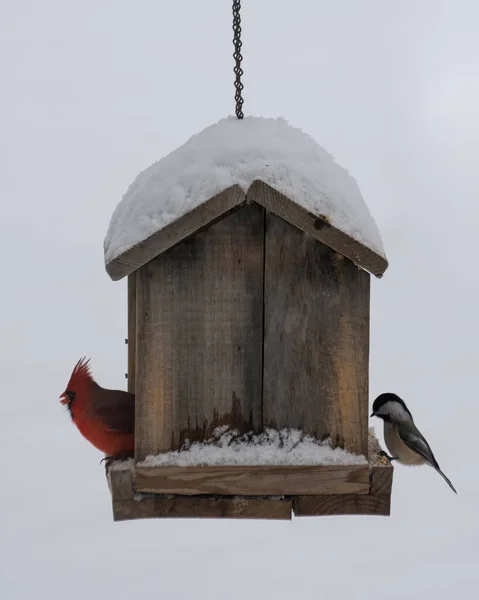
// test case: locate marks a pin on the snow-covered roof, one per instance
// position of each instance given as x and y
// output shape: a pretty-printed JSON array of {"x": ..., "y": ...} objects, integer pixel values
[{"x": 230, "y": 153}]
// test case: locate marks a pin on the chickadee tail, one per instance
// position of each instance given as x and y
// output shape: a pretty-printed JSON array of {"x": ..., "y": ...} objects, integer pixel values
[{"x": 446, "y": 480}]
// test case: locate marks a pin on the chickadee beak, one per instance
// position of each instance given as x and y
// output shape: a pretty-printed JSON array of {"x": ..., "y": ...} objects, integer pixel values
[{"x": 373, "y": 414}]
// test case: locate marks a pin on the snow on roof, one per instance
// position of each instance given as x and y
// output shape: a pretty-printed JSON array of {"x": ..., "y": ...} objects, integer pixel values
[
  {"x": 238, "y": 152},
  {"x": 227, "y": 447}
]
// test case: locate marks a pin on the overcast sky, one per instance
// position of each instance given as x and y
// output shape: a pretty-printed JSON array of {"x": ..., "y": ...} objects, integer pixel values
[{"x": 93, "y": 92}]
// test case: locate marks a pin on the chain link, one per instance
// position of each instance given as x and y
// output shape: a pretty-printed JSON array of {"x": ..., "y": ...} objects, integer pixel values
[{"x": 238, "y": 71}]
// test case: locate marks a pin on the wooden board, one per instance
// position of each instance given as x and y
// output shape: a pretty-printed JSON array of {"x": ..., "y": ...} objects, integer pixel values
[
  {"x": 199, "y": 335},
  {"x": 377, "y": 502},
  {"x": 345, "y": 504},
  {"x": 316, "y": 338},
  {"x": 121, "y": 483},
  {"x": 226, "y": 508},
  {"x": 214, "y": 208},
  {"x": 381, "y": 480},
  {"x": 126, "y": 507},
  {"x": 131, "y": 332},
  {"x": 254, "y": 481},
  {"x": 184, "y": 227},
  {"x": 318, "y": 226}
]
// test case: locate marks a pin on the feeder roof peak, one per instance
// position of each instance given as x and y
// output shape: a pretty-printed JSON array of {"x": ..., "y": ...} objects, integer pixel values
[{"x": 237, "y": 153}]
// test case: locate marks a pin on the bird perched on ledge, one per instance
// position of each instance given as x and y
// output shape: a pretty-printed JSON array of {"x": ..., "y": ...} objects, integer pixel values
[
  {"x": 404, "y": 440},
  {"x": 106, "y": 418}
]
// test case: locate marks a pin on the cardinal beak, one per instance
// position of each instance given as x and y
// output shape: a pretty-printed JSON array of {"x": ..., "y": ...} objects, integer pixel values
[{"x": 63, "y": 399}]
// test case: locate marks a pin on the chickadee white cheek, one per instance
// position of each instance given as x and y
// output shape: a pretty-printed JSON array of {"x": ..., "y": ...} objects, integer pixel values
[{"x": 394, "y": 411}]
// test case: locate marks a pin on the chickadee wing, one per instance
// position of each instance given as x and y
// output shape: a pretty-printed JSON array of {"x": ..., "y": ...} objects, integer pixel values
[{"x": 413, "y": 438}]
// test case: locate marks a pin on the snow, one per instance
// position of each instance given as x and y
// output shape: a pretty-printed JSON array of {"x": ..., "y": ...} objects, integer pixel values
[
  {"x": 127, "y": 464},
  {"x": 238, "y": 152},
  {"x": 289, "y": 447},
  {"x": 227, "y": 447}
]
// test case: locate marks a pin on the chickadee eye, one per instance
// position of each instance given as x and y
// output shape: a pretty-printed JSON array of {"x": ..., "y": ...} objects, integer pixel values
[{"x": 71, "y": 395}]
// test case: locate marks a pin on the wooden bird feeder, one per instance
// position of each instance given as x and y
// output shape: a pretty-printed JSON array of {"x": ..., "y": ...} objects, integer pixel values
[{"x": 248, "y": 309}]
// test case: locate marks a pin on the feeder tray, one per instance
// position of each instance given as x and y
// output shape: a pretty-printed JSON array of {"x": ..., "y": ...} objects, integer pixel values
[{"x": 267, "y": 492}]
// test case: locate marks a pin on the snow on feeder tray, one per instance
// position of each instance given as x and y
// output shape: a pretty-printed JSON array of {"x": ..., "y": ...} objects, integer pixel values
[{"x": 248, "y": 252}]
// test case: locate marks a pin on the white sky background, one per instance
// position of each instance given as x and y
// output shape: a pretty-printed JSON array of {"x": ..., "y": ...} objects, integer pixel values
[{"x": 92, "y": 93}]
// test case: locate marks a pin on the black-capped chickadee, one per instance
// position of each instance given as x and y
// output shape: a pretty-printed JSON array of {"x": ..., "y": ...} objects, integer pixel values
[{"x": 404, "y": 440}]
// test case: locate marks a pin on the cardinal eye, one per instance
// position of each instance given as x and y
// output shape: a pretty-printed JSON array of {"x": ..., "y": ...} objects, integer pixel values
[{"x": 71, "y": 395}]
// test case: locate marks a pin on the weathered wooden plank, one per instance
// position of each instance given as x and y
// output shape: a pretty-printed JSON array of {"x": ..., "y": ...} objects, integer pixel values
[
  {"x": 318, "y": 226},
  {"x": 316, "y": 346},
  {"x": 121, "y": 484},
  {"x": 377, "y": 502},
  {"x": 187, "y": 225},
  {"x": 381, "y": 480},
  {"x": 131, "y": 332},
  {"x": 186, "y": 507},
  {"x": 344, "y": 504},
  {"x": 254, "y": 481},
  {"x": 199, "y": 335}
]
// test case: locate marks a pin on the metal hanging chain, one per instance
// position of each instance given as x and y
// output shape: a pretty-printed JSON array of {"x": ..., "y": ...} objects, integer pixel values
[{"x": 238, "y": 71}]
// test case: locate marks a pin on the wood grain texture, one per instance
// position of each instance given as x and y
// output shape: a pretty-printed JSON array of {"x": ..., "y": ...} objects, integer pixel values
[
  {"x": 345, "y": 504},
  {"x": 254, "y": 481},
  {"x": 121, "y": 484},
  {"x": 131, "y": 332},
  {"x": 199, "y": 335},
  {"x": 318, "y": 227},
  {"x": 381, "y": 480},
  {"x": 184, "y": 227},
  {"x": 316, "y": 339},
  {"x": 126, "y": 506},
  {"x": 185, "y": 507}
]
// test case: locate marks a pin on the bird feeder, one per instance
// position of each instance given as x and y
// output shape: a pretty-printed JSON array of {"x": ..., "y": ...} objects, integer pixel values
[{"x": 248, "y": 253}]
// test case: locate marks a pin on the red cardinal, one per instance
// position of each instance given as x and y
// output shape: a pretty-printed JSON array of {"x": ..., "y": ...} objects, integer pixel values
[{"x": 106, "y": 418}]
